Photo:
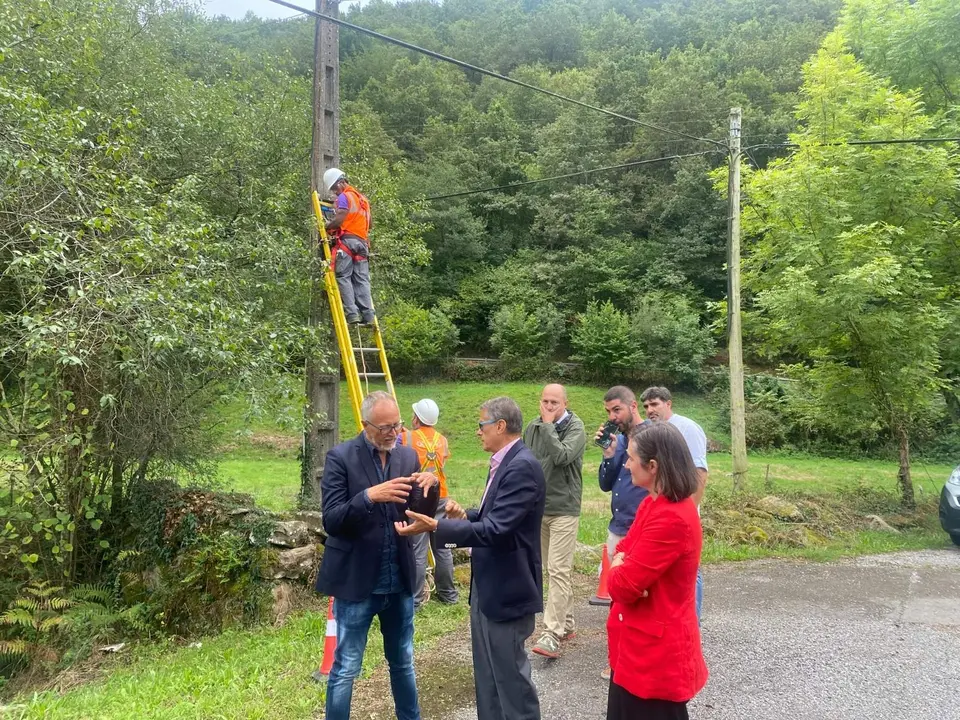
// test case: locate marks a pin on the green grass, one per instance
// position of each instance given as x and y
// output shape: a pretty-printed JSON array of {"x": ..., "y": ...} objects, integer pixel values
[
  {"x": 862, "y": 542},
  {"x": 273, "y": 476},
  {"x": 238, "y": 675}
]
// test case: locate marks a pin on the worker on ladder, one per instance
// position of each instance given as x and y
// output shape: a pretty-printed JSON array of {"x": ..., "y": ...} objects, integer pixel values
[
  {"x": 433, "y": 452},
  {"x": 349, "y": 230}
]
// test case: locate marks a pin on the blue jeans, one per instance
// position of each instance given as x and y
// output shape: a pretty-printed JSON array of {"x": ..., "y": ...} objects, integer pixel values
[
  {"x": 353, "y": 624},
  {"x": 699, "y": 592}
]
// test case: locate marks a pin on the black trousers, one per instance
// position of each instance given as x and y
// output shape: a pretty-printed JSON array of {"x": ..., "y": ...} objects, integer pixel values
[{"x": 621, "y": 705}]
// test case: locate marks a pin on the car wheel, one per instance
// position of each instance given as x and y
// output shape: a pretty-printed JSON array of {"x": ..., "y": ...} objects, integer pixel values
[{"x": 956, "y": 538}]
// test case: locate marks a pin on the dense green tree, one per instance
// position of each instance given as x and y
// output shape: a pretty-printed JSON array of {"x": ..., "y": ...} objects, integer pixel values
[
  {"x": 915, "y": 44},
  {"x": 845, "y": 237}
]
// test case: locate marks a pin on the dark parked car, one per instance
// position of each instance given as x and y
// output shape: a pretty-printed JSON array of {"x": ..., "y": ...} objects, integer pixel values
[{"x": 950, "y": 506}]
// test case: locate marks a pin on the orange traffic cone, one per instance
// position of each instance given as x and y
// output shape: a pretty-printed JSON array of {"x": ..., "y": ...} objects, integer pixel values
[
  {"x": 603, "y": 595},
  {"x": 329, "y": 645}
]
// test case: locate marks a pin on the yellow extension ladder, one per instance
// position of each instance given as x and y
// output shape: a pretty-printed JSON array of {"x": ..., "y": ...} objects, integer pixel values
[
  {"x": 354, "y": 371},
  {"x": 349, "y": 352}
]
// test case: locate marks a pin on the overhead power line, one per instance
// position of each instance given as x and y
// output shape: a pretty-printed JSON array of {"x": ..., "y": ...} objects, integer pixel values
[
  {"x": 579, "y": 173},
  {"x": 895, "y": 141},
  {"x": 491, "y": 73}
]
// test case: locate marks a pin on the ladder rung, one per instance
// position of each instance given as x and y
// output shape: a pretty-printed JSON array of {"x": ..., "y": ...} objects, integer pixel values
[
  {"x": 372, "y": 375},
  {"x": 363, "y": 349}
]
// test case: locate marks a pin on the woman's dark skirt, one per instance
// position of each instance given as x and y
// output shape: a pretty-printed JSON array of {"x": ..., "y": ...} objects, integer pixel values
[{"x": 621, "y": 705}]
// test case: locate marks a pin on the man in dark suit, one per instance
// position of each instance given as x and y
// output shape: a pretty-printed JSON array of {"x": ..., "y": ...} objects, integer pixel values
[
  {"x": 506, "y": 591},
  {"x": 366, "y": 567}
]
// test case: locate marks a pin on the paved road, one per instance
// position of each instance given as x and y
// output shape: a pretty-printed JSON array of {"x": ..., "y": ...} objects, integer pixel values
[{"x": 874, "y": 638}]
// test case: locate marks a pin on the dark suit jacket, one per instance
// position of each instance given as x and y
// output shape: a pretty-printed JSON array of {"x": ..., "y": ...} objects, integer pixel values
[
  {"x": 505, "y": 537},
  {"x": 350, "y": 565}
]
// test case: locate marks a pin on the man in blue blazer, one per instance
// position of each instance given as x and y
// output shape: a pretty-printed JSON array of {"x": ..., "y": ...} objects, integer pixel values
[
  {"x": 506, "y": 590},
  {"x": 367, "y": 568}
]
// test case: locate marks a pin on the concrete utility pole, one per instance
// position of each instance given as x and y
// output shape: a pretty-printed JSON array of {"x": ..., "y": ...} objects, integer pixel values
[
  {"x": 323, "y": 380},
  {"x": 738, "y": 426}
]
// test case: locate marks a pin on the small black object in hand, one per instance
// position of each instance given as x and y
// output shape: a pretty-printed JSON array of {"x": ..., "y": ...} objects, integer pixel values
[
  {"x": 610, "y": 430},
  {"x": 424, "y": 502}
]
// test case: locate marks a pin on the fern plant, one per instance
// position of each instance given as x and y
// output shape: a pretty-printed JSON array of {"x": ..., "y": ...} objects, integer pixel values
[
  {"x": 45, "y": 616},
  {"x": 33, "y": 618}
]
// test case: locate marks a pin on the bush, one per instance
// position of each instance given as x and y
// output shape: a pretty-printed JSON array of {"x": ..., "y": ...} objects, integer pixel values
[
  {"x": 766, "y": 428},
  {"x": 661, "y": 342},
  {"x": 418, "y": 340},
  {"x": 212, "y": 565},
  {"x": 522, "y": 336},
  {"x": 603, "y": 340},
  {"x": 668, "y": 334}
]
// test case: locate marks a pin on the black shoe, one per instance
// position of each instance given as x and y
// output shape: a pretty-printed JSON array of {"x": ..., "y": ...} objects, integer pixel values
[
  {"x": 354, "y": 320},
  {"x": 368, "y": 323}
]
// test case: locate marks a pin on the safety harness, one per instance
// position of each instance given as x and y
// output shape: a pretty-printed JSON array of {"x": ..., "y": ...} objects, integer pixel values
[
  {"x": 432, "y": 461},
  {"x": 359, "y": 210}
]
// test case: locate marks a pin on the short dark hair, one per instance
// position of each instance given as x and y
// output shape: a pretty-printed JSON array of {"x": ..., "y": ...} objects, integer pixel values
[
  {"x": 620, "y": 392},
  {"x": 661, "y": 441},
  {"x": 656, "y": 393},
  {"x": 506, "y": 409}
]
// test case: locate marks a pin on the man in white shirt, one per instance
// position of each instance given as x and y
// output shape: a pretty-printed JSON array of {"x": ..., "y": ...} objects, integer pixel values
[{"x": 658, "y": 405}]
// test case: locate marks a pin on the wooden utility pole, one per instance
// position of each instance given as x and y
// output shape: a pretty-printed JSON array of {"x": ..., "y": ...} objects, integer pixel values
[
  {"x": 738, "y": 426},
  {"x": 323, "y": 386}
]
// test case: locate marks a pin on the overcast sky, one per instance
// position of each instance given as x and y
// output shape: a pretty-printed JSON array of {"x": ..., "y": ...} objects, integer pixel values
[{"x": 237, "y": 9}]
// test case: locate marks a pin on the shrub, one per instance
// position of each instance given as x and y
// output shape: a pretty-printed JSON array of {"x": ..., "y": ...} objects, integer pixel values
[
  {"x": 215, "y": 583},
  {"x": 668, "y": 334},
  {"x": 661, "y": 341},
  {"x": 603, "y": 340},
  {"x": 520, "y": 335},
  {"x": 418, "y": 339},
  {"x": 765, "y": 428}
]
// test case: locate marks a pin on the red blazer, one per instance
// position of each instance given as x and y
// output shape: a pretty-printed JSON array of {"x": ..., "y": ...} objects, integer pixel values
[{"x": 654, "y": 641}]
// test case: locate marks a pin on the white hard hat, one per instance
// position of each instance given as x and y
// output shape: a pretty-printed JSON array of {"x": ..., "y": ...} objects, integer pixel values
[
  {"x": 427, "y": 411},
  {"x": 331, "y": 176}
]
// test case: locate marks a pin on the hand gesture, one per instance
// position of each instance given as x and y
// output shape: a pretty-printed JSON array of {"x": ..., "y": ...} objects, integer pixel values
[
  {"x": 420, "y": 524},
  {"x": 454, "y": 511},
  {"x": 425, "y": 480},
  {"x": 549, "y": 416},
  {"x": 391, "y": 491}
]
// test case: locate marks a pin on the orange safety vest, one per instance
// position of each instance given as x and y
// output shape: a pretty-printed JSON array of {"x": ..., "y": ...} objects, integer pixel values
[
  {"x": 357, "y": 221},
  {"x": 432, "y": 452}
]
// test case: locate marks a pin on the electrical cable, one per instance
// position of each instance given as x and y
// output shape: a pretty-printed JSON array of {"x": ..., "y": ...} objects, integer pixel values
[
  {"x": 900, "y": 141},
  {"x": 490, "y": 73},
  {"x": 635, "y": 163}
]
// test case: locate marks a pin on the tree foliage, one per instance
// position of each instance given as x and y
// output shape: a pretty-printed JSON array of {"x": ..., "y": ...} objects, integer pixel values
[
  {"x": 153, "y": 218},
  {"x": 845, "y": 269}
]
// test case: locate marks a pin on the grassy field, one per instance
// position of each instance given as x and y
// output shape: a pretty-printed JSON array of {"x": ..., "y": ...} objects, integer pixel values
[
  {"x": 264, "y": 673},
  {"x": 263, "y": 462}
]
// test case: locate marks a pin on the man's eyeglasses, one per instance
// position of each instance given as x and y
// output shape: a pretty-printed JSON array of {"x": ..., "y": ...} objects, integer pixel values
[
  {"x": 384, "y": 429},
  {"x": 487, "y": 422}
]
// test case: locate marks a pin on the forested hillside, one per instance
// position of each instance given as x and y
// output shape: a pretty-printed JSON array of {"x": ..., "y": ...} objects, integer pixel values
[
  {"x": 614, "y": 236},
  {"x": 154, "y": 223}
]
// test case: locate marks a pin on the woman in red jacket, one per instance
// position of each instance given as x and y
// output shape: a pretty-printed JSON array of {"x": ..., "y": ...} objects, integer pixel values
[{"x": 653, "y": 635}]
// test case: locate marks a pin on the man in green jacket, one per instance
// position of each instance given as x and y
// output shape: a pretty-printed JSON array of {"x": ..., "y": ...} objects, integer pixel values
[{"x": 558, "y": 441}]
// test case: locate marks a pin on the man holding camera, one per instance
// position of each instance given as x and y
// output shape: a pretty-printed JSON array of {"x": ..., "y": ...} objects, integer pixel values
[{"x": 622, "y": 415}]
